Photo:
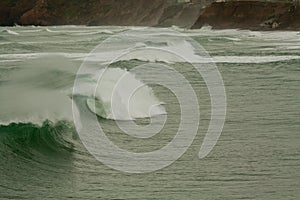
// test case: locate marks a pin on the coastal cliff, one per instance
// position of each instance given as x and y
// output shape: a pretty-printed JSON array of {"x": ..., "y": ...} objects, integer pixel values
[
  {"x": 99, "y": 12},
  {"x": 251, "y": 15},
  {"x": 255, "y": 15}
]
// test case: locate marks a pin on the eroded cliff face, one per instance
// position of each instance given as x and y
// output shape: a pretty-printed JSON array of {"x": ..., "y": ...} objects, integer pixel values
[
  {"x": 98, "y": 12},
  {"x": 12, "y": 10},
  {"x": 252, "y": 15},
  {"x": 255, "y": 15}
]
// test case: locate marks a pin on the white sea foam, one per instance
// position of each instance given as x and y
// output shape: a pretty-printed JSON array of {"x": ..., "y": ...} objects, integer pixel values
[
  {"x": 252, "y": 59},
  {"x": 80, "y": 31},
  {"x": 6, "y": 61},
  {"x": 121, "y": 96},
  {"x": 38, "y": 91},
  {"x": 152, "y": 56},
  {"x": 39, "y": 55},
  {"x": 31, "y": 31},
  {"x": 95, "y": 32}
]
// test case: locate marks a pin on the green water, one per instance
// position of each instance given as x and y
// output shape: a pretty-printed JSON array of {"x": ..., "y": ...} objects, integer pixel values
[{"x": 256, "y": 157}]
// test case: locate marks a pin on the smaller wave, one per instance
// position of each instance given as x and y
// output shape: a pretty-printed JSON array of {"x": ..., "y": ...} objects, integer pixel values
[
  {"x": 293, "y": 47},
  {"x": 32, "y": 31},
  {"x": 6, "y": 61},
  {"x": 80, "y": 56},
  {"x": 80, "y": 32},
  {"x": 161, "y": 51},
  {"x": 232, "y": 38},
  {"x": 10, "y": 32},
  {"x": 95, "y": 32},
  {"x": 202, "y": 29},
  {"x": 51, "y": 31},
  {"x": 66, "y": 31},
  {"x": 252, "y": 59}
]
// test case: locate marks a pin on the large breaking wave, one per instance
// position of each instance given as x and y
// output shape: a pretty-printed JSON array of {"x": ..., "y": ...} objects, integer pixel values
[{"x": 42, "y": 90}]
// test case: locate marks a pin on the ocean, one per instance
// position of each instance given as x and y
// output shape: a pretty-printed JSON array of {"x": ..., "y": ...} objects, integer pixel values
[{"x": 210, "y": 114}]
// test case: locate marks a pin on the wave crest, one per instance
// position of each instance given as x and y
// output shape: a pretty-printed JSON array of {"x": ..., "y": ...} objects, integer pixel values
[{"x": 29, "y": 140}]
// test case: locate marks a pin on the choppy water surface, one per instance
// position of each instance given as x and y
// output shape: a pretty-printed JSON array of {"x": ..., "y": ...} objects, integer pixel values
[{"x": 256, "y": 157}]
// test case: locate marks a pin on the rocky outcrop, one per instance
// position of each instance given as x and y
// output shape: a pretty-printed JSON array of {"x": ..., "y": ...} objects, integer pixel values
[
  {"x": 11, "y": 11},
  {"x": 255, "y": 15},
  {"x": 251, "y": 15},
  {"x": 39, "y": 14},
  {"x": 182, "y": 15},
  {"x": 99, "y": 12}
]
